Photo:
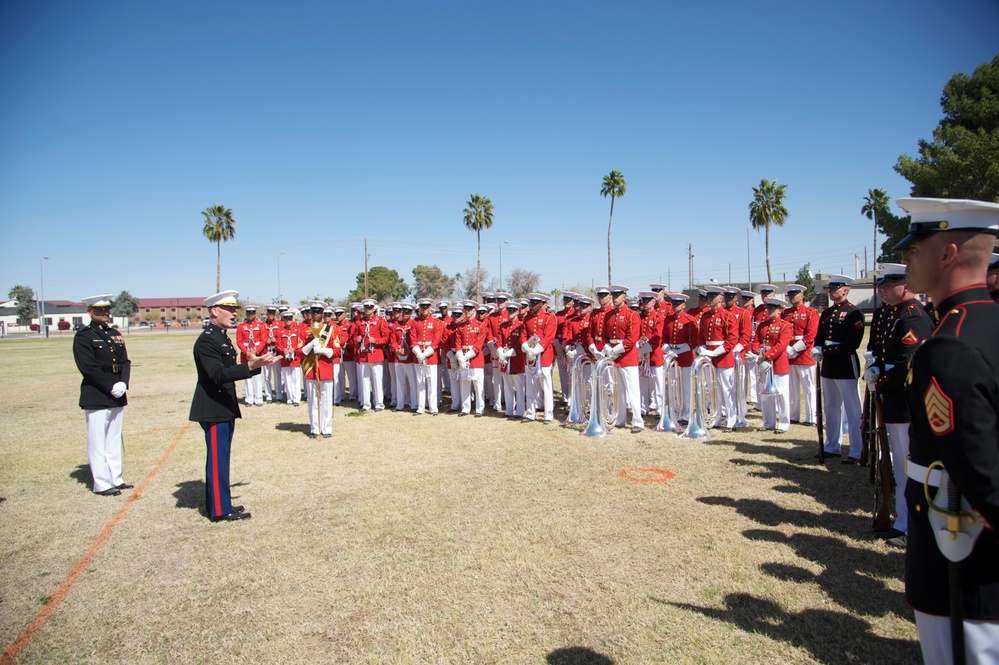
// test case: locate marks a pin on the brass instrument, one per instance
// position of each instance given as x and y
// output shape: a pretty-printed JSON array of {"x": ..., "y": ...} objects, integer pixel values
[
  {"x": 578, "y": 397},
  {"x": 702, "y": 377},
  {"x": 366, "y": 344},
  {"x": 740, "y": 392},
  {"x": 672, "y": 394},
  {"x": 644, "y": 367},
  {"x": 535, "y": 365},
  {"x": 603, "y": 400}
]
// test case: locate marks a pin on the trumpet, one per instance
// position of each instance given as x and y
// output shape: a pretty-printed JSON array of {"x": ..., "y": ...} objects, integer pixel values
[
  {"x": 366, "y": 345},
  {"x": 702, "y": 378},
  {"x": 404, "y": 345}
]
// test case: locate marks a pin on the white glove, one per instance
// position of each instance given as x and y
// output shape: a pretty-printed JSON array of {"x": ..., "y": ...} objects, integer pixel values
[
  {"x": 816, "y": 353},
  {"x": 869, "y": 359},
  {"x": 681, "y": 348},
  {"x": 738, "y": 347},
  {"x": 470, "y": 354},
  {"x": 510, "y": 353},
  {"x": 799, "y": 347},
  {"x": 703, "y": 351},
  {"x": 328, "y": 352},
  {"x": 570, "y": 353},
  {"x": 617, "y": 351},
  {"x": 752, "y": 357},
  {"x": 118, "y": 389},
  {"x": 764, "y": 366},
  {"x": 595, "y": 352},
  {"x": 531, "y": 356},
  {"x": 525, "y": 347},
  {"x": 537, "y": 349},
  {"x": 645, "y": 349},
  {"x": 871, "y": 375},
  {"x": 791, "y": 353},
  {"x": 667, "y": 348},
  {"x": 492, "y": 346},
  {"x": 450, "y": 357},
  {"x": 307, "y": 349},
  {"x": 717, "y": 351},
  {"x": 460, "y": 355}
]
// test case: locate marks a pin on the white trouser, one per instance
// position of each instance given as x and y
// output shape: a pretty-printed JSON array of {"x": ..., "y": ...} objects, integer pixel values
[
  {"x": 347, "y": 383},
  {"x": 724, "y": 397},
  {"x": 487, "y": 381},
  {"x": 802, "y": 380},
  {"x": 629, "y": 397},
  {"x": 324, "y": 423},
  {"x": 839, "y": 397},
  {"x": 749, "y": 381},
  {"x": 564, "y": 379},
  {"x": 471, "y": 381},
  {"x": 652, "y": 389},
  {"x": 271, "y": 380},
  {"x": 104, "y": 446},
  {"x": 685, "y": 401},
  {"x": 341, "y": 381},
  {"x": 499, "y": 388},
  {"x": 539, "y": 391},
  {"x": 981, "y": 640},
  {"x": 389, "y": 381},
  {"x": 371, "y": 386},
  {"x": 445, "y": 378},
  {"x": 776, "y": 412},
  {"x": 253, "y": 390},
  {"x": 290, "y": 382},
  {"x": 898, "y": 443},
  {"x": 359, "y": 378},
  {"x": 515, "y": 389},
  {"x": 425, "y": 378},
  {"x": 405, "y": 386}
]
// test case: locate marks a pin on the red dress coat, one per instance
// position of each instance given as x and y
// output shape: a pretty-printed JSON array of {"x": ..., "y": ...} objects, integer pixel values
[
  {"x": 806, "y": 326},
  {"x": 543, "y": 325},
  {"x": 426, "y": 333},
  {"x": 719, "y": 326},
  {"x": 512, "y": 336},
  {"x": 776, "y": 336},
  {"x": 470, "y": 337},
  {"x": 678, "y": 330},
  {"x": 326, "y": 365},
  {"x": 258, "y": 331},
  {"x": 376, "y": 330},
  {"x": 652, "y": 330},
  {"x": 289, "y": 341},
  {"x": 623, "y": 326}
]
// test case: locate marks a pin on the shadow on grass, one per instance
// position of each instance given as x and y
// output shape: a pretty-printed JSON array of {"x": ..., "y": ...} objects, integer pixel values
[
  {"x": 577, "y": 656},
  {"x": 190, "y": 494},
  {"x": 81, "y": 474},
  {"x": 829, "y": 637},
  {"x": 302, "y": 428}
]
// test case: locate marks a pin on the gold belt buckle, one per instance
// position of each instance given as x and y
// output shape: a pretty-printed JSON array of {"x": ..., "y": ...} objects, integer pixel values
[{"x": 115, "y": 368}]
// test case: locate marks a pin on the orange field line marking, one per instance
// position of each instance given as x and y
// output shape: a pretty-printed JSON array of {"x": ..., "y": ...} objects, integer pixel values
[
  {"x": 652, "y": 475},
  {"x": 61, "y": 591}
]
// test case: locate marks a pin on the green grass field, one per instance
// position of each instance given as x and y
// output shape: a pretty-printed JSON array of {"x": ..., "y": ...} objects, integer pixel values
[{"x": 426, "y": 540}]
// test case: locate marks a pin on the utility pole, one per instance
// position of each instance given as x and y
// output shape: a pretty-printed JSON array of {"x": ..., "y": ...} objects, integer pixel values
[
  {"x": 749, "y": 264},
  {"x": 365, "y": 267},
  {"x": 690, "y": 265}
]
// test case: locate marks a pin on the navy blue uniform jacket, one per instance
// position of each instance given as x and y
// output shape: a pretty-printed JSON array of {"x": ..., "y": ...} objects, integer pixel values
[{"x": 215, "y": 395}]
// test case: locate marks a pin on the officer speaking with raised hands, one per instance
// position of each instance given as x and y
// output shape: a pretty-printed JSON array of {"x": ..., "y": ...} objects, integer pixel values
[{"x": 952, "y": 554}]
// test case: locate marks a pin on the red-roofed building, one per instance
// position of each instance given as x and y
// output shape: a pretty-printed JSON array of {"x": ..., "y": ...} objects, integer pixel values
[{"x": 157, "y": 310}]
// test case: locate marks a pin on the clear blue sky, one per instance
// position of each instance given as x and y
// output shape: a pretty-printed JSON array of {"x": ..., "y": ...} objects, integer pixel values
[{"x": 322, "y": 123}]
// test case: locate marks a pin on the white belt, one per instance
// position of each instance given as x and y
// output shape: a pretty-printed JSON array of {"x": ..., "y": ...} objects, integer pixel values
[
  {"x": 921, "y": 474},
  {"x": 714, "y": 342},
  {"x": 798, "y": 337},
  {"x": 615, "y": 342}
]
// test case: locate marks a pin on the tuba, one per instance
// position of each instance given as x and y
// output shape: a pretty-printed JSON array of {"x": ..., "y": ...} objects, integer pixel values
[
  {"x": 603, "y": 400},
  {"x": 672, "y": 394},
  {"x": 577, "y": 399},
  {"x": 702, "y": 376}
]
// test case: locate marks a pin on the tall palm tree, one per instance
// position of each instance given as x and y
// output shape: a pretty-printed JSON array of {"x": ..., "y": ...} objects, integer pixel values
[
  {"x": 478, "y": 216},
  {"x": 875, "y": 202},
  {"x": 614, "y": 187},
  {"x": 219, "y": 227},
  {"x": 766, "y": 208}
]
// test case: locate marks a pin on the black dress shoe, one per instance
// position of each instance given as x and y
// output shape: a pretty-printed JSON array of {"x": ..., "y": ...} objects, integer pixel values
[
  {"x": 889, "y": 534},
  {"x": 326, "y": 436},
  {"x": 231, "y": 517},
  {"x": 124, "y": 486},
  {"x": 850, "y": 460},
  {"x": 238, "y": 509},
  {"x": 763, "y": 429},
  {"x": 313, "y": 436},
  {"x": 826, "y": 455},
  {"x": 111, "y": 491}
]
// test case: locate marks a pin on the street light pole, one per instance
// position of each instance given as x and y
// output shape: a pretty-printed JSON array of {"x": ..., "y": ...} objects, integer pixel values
[
  {"x": 279, "y": 278},
  {"x": 42, "y": 328}
]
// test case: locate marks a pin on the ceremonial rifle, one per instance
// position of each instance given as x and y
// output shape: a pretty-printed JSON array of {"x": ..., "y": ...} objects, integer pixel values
[
  {"x": 819, "y": 419},
  {"x": 882, "y": 493},
  {"x": 865, "y": 430}
]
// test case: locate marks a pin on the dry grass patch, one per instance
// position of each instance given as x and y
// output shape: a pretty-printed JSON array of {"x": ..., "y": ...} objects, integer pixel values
[{"x": 418, "y": 539}]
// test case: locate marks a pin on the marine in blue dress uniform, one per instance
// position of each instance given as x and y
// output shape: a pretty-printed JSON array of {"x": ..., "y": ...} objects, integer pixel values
[
  {"x": 214, "y": 405},
  {"x": 953, "y": 396}
]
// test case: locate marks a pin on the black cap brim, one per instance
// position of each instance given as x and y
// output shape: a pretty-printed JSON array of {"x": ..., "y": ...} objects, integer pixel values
[{"x": 909, "y": 239}]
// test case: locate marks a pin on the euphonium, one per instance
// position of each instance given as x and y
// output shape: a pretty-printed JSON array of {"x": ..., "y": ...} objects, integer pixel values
[
  {"x": 671, "y": 395},
  {"x": 597, "y": 425},
  {"x": 577, "y": 399},
  {"x": 697, "y": 426}
]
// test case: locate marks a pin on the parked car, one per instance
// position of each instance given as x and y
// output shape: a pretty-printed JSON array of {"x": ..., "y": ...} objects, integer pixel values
[
  {"x": 143, "y": 324},
  {"x": 167, "y": 324}
]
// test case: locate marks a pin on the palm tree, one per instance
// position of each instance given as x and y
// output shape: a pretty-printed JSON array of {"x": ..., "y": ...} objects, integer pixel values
[
  {"x": 766, "y": 208},
  {"x": 613, "y": 186},
  {"x": 219, "y": 227},
  {"x": 876, "y": 201},
  {"x": 478, "y": 216}
]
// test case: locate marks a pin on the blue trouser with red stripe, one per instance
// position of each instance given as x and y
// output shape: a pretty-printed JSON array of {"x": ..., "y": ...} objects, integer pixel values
[{"x": 218, "y": 437}]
